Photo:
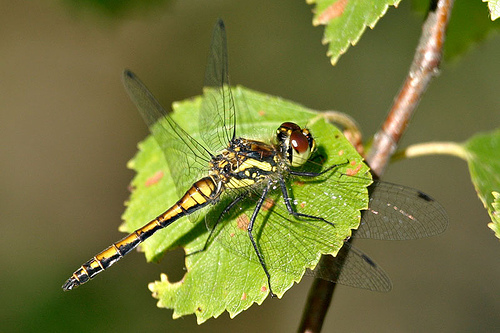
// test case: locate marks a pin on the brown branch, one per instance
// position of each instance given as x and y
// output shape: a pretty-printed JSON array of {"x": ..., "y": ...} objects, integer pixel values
[{"x": 424, "y": 66}]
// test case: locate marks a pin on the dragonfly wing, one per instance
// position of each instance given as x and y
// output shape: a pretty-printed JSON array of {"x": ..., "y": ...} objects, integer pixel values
[
  {"x": 217, "y": 116},
  {"x": 185, "y": 156},
  {"x": 398, "y": 213},
  {"x": 357, "y": 270}
]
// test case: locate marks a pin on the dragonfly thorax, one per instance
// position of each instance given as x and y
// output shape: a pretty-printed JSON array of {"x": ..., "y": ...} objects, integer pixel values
[
  {"x": 244, "y": 163},
  {"x": 247, "y": 162}
]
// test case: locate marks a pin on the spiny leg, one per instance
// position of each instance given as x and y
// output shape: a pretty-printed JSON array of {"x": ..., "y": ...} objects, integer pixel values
[
  {"x": 254, "y": 244},
  {"x": 290, "y": 209}
]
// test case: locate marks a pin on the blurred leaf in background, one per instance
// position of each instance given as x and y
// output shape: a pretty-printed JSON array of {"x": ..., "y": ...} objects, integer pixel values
[{"x": 115, "y": 8}]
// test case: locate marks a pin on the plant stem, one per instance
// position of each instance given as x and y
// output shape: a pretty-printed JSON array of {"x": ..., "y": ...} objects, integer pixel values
[{"x": 424, "y": 66}]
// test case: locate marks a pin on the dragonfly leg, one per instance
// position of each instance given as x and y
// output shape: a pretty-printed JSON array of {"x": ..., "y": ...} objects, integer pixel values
[
  {"x": 254, "y": 244},
  {"x": 290, "y": 209},
  {"x": 315, "y": 174},
  {"x": 212, "y": 230}
]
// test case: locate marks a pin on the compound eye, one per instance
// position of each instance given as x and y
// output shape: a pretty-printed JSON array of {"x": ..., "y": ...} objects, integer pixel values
[
  {"x": 299, "y": 142},
  {"x": 290, "y": 126},
  {"x": 301, "y": 148}
]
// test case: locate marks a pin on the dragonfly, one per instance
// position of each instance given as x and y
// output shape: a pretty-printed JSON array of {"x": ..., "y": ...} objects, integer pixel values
[{"x": 222, "y": 168}]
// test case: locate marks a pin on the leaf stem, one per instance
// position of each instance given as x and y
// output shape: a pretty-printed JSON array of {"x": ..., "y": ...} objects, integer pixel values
[
  {"x": 424, "y": 66},
  {"x": 431, "y": 148},
  {"x": 350, "y": 127}
]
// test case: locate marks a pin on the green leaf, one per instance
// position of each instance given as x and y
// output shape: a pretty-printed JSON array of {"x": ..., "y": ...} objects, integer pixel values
[
  {"x": 227, "y": 275},
  {"x": 345, "y": 21},
  {"x": 469, "y": 25},
  {"x": 483, "y": 157},
  {"x": 494, "y": 7}
]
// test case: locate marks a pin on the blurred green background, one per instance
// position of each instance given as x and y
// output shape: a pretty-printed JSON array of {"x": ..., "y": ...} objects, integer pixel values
[{"x": 67, "y": 130}]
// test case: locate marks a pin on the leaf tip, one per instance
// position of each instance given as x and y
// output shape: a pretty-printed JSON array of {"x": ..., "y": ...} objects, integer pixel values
[{"x": 495, "y": 214}]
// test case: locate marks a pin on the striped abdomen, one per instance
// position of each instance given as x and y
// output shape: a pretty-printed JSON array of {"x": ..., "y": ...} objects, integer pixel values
[{"x": 199, "y": 195}]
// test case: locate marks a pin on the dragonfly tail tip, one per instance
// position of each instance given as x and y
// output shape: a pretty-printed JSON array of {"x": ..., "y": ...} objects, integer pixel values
[{"x": 70, "y": 284}]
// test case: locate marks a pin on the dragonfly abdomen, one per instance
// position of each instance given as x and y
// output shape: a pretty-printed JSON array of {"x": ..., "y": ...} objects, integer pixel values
[{"x": 199, "y": 195}]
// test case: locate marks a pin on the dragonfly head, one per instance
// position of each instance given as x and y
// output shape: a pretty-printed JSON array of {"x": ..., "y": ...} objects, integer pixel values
[{"x": 296, "y": 144}]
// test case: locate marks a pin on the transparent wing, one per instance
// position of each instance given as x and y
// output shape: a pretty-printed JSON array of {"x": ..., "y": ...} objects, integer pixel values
[
  {"x": 357, "y": 271},
  {"x": 185, "y": 156},
  {"x": 217, "y": 116},
  {"x": 397, "y": 212}
]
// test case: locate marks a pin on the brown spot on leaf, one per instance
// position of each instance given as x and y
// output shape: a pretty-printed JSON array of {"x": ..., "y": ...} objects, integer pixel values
[
  {"x": 333, "y": 11},
  {"x": 341, "y": 152},
  {"x": 352, "y": 172},
  {"x": 268, "y": 204},
  {"x": 154, "y": 179},
  {"x": 262, "y": 113},
  {"x": 244, "y": 296},
  {"x": 243, "y": 222}
]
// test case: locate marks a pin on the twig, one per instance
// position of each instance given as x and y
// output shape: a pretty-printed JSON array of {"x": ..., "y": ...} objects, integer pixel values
[{"x": 424, "y": 66}]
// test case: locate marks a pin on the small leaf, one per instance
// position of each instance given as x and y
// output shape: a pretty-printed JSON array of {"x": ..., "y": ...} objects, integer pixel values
[
  {"x": 345, "y": 21},
  {"x": 227, "y": 275},
  {"x": 483, "y": 157}
]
